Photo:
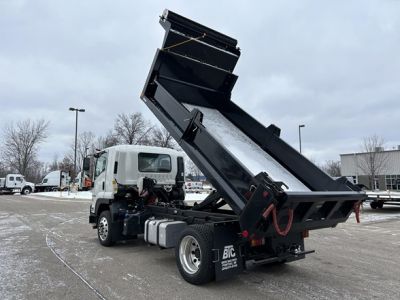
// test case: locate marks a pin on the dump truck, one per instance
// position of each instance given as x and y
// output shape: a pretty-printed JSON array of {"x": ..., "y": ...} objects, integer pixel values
[{"x": 267, "y": 195}]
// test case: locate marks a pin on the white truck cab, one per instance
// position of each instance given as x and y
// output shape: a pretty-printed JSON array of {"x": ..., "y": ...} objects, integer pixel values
[
  {"x": 121, "y": 170},
  {"x": 16, "y": 183}
]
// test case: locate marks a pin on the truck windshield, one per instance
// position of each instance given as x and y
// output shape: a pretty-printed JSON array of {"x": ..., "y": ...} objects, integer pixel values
[{"x": 154, "y": 163}]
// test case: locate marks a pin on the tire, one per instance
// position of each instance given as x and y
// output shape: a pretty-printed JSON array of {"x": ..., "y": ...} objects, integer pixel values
[
  {"x": 104, "y": 229},
  {"x": 26, "y": 191},
  {"x": 194, "y": 255},
  {"x": 373, "y": 205},
  {"x": 380, "y": 204}
]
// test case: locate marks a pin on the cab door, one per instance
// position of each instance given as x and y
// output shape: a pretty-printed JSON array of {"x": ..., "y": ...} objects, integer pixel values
[
  {"x": 10, "y": 182},
  {"x": 100, "y": 172},
  {"x": 19, "y": 180}
]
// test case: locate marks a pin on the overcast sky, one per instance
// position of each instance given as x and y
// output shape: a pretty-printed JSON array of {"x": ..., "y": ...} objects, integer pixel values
[{"x": 331, "y": 65}]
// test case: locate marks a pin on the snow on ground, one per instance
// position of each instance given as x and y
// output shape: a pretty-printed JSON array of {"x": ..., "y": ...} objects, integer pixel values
[
  {"x": 190, "y": 197},
  {"x": 388, "y": 212},
  {"x": 67, "y": 195}
]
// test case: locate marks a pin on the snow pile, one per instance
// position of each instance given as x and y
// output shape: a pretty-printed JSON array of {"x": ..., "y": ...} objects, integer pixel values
[
  {"x": 248, "y": 153},
  {"x": 190, "y": 197},
  {"x": 67, "y": 195}
]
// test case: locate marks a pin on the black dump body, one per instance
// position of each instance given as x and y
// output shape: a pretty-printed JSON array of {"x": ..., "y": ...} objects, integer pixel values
[{"x": 189, "y": 90}]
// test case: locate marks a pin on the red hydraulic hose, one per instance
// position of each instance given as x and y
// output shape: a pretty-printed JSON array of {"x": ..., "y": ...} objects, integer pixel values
[
  {"x": 268, "y": 211},
  {"x": 278, "y": 230},
  {"x": 356, "y": 207}
]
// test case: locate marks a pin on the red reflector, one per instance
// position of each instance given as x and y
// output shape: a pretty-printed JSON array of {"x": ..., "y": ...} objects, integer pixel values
[
  {"x": 265, "y": 194},
  {"x": 306, "y": 233},
  {"x": 245, "y": 234}
]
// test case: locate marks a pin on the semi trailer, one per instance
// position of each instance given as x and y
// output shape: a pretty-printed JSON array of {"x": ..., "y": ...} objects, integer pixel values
[
  {"x": 267, "y": 195},
  {"x": 54, "y": 181},
  {"x": 377, "y": 199}
]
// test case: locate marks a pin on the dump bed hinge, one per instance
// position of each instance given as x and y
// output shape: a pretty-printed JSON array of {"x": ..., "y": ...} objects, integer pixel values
[{"x": 193, "y": 126}]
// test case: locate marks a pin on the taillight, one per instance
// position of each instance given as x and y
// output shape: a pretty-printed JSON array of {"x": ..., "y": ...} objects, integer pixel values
[{"x": 256, "y": 243}]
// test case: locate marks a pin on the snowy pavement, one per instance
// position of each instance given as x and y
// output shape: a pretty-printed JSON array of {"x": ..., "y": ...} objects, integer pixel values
[
  {"x": 190, "y": 198},
  {"x": 49, "y": 251},
  {"x": 87, "y": 195}
]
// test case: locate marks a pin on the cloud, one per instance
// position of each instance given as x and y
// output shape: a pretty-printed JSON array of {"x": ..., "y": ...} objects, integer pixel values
[{"x": 333, "y": 66}]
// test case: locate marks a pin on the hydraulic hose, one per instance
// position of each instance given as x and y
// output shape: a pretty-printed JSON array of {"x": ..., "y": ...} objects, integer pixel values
[
  {"x": 282, "y": 232},
  {"x": 356, "y": 208}
]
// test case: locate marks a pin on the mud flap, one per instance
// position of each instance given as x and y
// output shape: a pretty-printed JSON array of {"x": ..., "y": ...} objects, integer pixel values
[{"x": 227, "y": 255}]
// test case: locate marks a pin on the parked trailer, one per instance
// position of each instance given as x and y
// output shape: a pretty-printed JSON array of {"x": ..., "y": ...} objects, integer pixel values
[
  {"x": 54, "y": 181},
  {"x": 188, "y": 89},
  {"x": 378, "y": 198}
]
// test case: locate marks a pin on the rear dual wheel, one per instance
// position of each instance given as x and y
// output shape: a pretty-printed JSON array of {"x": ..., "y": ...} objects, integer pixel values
[
  {"x": 376, "y": 204},
  {"x": 194, "y": 255}
]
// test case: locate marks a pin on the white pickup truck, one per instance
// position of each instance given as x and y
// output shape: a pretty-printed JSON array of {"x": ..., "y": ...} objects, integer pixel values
[{"x": 16, "y": 183}]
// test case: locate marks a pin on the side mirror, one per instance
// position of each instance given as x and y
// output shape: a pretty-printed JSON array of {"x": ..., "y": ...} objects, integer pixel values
[
  {"x": 92, "y": 184},
  {"x": 86, "y": 164}
]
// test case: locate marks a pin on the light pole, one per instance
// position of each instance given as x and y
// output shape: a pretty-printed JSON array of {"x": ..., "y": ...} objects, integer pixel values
[
  {"x": 300, "y": 126},
  {"x": 76, "y": 110}
]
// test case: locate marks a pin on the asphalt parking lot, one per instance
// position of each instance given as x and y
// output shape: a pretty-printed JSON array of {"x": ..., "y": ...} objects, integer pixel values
[{"x": 49, "y": 251}]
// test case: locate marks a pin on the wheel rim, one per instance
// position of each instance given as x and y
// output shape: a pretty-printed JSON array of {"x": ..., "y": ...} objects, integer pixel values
[
  {"x": 190, "y": 254},
  {"x": 103, "y": 228},
  {"x": 26, "y": 192}
]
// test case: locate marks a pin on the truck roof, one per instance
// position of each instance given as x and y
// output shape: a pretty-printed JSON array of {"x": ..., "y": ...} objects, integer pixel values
[{"x": 143, "y": 148}]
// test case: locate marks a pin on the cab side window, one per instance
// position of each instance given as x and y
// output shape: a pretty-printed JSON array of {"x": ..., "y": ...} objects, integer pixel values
[
  {"x": 11, "y": 178},
  {"x": 154, "y": 163},
  {"x": 101, "y": 164},
  {"x": 18, "y": 179}
]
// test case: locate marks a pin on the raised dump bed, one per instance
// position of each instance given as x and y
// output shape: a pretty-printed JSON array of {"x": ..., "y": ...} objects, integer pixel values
[{"x": 189, "y": 90}]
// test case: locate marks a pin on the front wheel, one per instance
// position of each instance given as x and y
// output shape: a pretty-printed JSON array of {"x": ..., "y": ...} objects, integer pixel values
[
  {"x": 104, "y": 230},
  {"x": 26, "y": 191},
  {"x": 194, "y": 255}
]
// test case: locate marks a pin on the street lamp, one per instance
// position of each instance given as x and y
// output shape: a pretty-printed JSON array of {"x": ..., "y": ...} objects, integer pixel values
[
  {"x": 300, "y": 126},
  {"x": 76, "y": 110}
]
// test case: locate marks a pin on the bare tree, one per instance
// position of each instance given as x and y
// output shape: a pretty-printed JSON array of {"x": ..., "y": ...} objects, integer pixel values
[
  {"x": 21, "y": 142},
  {"x": 54, "y": 164},
  {"x": 374, "y": 158},
  {"x": 67, "y": 165},
  {"x": 194, "y": 172},
  {"x": 332, "y": 167},
  {"x": 162, "y": 138},
  {"x": 132, "y": 129},
  {"x": 84, "y": 146},
  {"x": 4, "y": 170}
]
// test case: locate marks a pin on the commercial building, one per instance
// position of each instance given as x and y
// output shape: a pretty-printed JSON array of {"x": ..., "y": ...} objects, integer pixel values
[{"x": 386, "y": 164}]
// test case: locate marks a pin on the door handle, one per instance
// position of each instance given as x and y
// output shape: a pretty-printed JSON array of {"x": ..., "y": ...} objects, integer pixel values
[{"x": 103, "y": 185}]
